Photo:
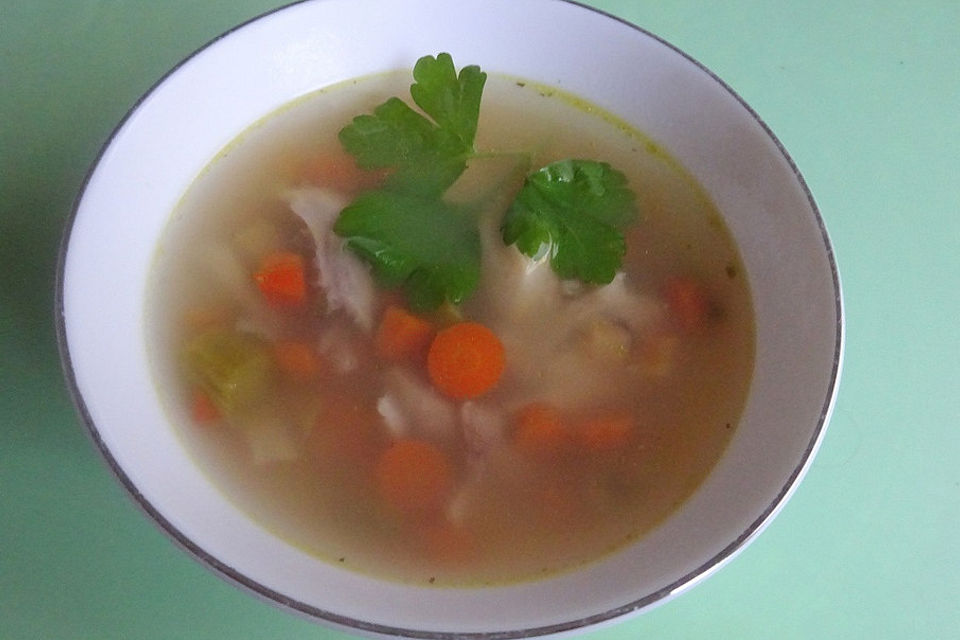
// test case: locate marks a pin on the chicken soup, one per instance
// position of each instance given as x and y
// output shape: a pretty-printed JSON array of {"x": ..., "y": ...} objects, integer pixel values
[{"x": 446, "y": 340}]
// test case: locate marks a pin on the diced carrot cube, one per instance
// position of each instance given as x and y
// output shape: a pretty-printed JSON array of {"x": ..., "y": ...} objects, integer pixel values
[
  {"x": 402, "y": 335},
  {"x": 202, "y": 408},
  {"x": 297, "y": 360},
  {"x": 687, "y": 300},
  {"x": 282, "y": 279}
]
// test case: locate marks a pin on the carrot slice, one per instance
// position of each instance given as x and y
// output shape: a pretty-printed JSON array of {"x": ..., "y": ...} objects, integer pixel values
[
  {"x": 539, "y": 432},
  {"x": 202, "y": 408},
  {"x": 402, "y": 335},
  {"x": 340, "y": 171},
  {"x": 465, "y": 360},
  {"x": 282, "y": 280},
  {"x": 607, "y": 432},
  {"x": 414, "y": 476},
  {"x": 297, "y": 360},
  {"x": 687, "y": 300}
]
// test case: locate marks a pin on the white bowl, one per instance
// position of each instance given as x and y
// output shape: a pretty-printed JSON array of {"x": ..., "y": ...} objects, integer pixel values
[{"x": 202, "y": 104}]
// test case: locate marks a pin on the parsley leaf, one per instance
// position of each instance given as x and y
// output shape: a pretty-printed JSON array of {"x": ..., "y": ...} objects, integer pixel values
[
  {"x": 428, "y": 247},
  {"x": 425, "y": 156},
  {"x": 576, "y": 209},
  {"x": 415, "y": 240},
  {"x": 452, "y": 101}
]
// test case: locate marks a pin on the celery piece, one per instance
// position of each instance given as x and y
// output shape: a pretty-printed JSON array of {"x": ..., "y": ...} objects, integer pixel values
[{"x": 234, "y": 368}]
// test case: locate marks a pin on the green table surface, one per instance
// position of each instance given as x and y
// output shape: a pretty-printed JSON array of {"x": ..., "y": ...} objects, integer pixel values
[{"x": 866, "y": 98}]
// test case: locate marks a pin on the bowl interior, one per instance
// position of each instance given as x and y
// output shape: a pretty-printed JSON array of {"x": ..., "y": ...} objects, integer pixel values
[{"x": 205, "y": 102}]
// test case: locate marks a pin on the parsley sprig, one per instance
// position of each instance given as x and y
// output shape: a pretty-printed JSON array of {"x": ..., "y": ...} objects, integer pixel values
[
  {"x": 424, "y": 156},
  {"x": 575, "y": 209},
  {"x": 426, "y": 246},
  {"x": 415, "y": 240}
]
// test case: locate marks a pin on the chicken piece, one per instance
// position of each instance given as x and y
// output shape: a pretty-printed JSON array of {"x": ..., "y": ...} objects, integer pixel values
[
  {"x": 483, "y": 432},
  {"x": 557, "y": 334},
  {"x": 270, "y": 439},
  {"x": 339, "y": 346},
  {"x": 412, "y": 408},
  {"x": 483, "y": 427},
  {"x": 222, "y": 265},
  {"x": 345, "y": 279}
]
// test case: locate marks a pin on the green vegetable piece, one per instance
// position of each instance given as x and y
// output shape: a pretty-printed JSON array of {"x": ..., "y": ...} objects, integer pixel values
[
  {"x": 576, "y": 210},
  {"x": 233, "y": 368},
  {"x": 425, "y": 156},
  {"x": 452, "y": 101},
  {"x": 428, "y": 247}
]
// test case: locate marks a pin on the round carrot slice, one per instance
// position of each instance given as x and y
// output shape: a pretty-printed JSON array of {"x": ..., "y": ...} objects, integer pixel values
[{"x": 465, "y": 360}]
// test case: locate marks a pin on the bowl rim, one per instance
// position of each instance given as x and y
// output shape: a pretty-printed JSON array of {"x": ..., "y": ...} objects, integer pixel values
[{"x": 238, "y": 578}]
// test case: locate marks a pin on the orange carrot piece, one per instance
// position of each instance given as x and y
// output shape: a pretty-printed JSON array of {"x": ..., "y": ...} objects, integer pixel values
[
  {"x": 607, "y": 432},
  {"x": 340, "y": 172},
  {"x": 687, "y": 300},
  {"x": 202, "y": 409},
  {"x": 414, "y": 476},
  {"x": 539, "y": 431},
  {"x": 402, "y": 335},
  {"x": 282, "y": 279},
  {"x": 465, "y": 360},
  {"x": 297, "y": 360}
]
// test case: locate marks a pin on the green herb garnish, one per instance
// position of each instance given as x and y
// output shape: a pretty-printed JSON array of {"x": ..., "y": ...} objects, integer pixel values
[
  {"x": 575, "y": 209},
  {"x": 424, "y": 156},
  {"x": 429, "y": 247},
  {"x": 413, "y": 239}
]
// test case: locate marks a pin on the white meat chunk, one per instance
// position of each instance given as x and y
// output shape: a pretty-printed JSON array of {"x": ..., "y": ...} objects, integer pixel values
[
  {"x": 338, "y": 345},
  {"x": 483, "y": 427},
  {"x": 465, "y": 498},
  {"x": 269, "y": 438},
  {"x": 549, "y": 328},
  {"x": 224, "y": 267},
  {"x": 345, "y": 279},
  {"x": 614, "y": 301},
  {"x": 394, "y": 417},
  {"x": 411, "y": 407},
  {"x": 483, "y": 433},
  {"x": 518, "y": 291}
]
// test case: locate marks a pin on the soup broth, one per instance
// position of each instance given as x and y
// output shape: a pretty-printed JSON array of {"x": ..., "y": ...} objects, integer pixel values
[{"x": 613, "y": 403}]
